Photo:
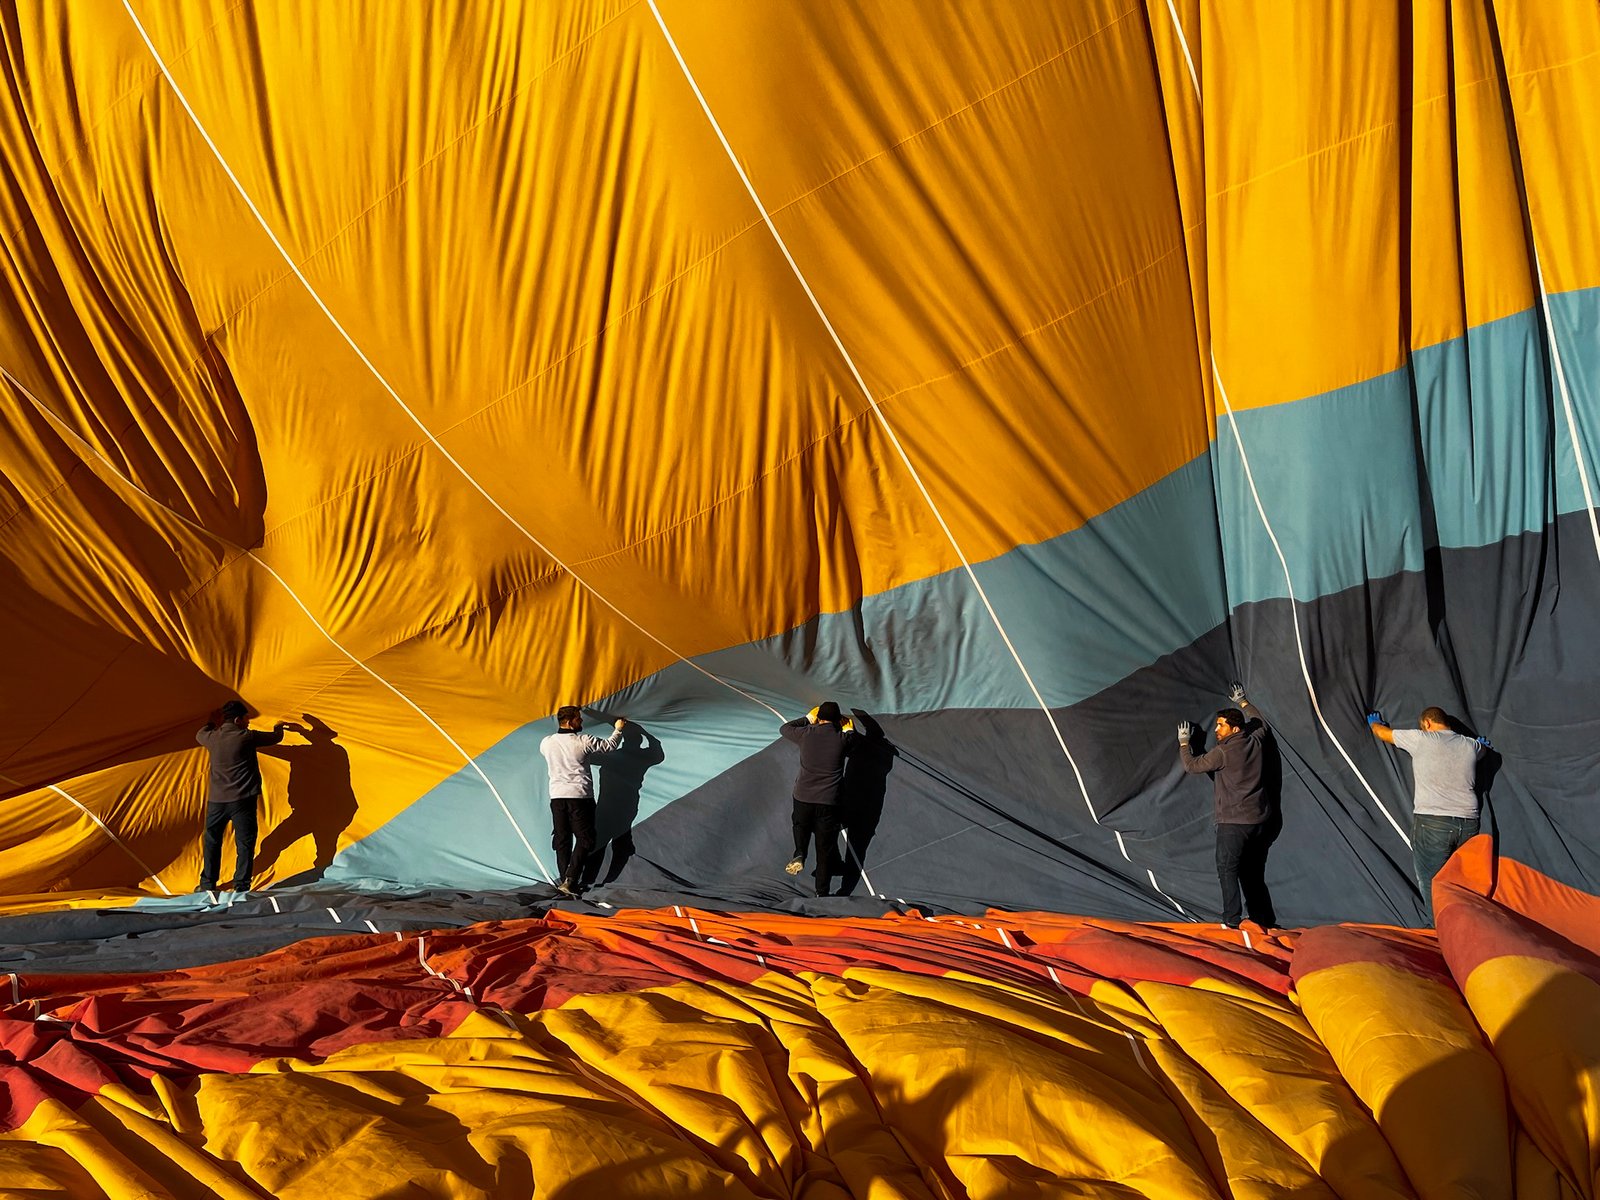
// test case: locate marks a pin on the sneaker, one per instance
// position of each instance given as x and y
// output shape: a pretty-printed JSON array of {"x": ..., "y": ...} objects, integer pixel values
[
  {"x": 564, "y": 887},
  {"x": 796, "y": 865}
]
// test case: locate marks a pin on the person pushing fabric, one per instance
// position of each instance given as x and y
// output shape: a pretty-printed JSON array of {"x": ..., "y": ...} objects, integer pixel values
[
  {"x": 569, "y": 753},
  {"x": 1243, "y": 809},
  {"x": 235, "y": 792},
  {"x": 1445, "y": 806},
  {"x": 824, "y": 744}
]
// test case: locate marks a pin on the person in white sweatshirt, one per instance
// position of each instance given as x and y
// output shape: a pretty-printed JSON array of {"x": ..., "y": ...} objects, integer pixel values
[{"x": 569, "y": 753}]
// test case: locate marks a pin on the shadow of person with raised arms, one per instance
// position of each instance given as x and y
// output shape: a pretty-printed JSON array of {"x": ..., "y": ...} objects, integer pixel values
[
  {"x": 322, "y": 801},
  {"x": 621, "y": 781},
  {"x": 866, "y": 780}
]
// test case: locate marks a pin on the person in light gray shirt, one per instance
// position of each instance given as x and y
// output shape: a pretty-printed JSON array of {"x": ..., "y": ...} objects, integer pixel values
[
  {"x": 568, "y": 754},
  {"x": 1445, "y": 810}
]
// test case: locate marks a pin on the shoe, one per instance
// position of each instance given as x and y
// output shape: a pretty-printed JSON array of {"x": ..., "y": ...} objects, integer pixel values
[
  {"x": 1228, "y": 925},
  {"x": 240, "y": 894},
  {"x": 796, "y": 865},
  {"x": 566, "y": 888}
]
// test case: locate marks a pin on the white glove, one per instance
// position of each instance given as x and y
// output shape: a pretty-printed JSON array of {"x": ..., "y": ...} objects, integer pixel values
[
  {"x": 1236, "y": 694},
  {"x": 1185, "y": 732}
]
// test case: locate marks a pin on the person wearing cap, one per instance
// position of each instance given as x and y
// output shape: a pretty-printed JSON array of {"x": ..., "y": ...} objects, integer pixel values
[
  {"x": 824, "y": 743},
  {"x": 569, "y": 754},
  {"x": 235, "y": 792},
  {"x": 1445, "y": 806},
  {"x": 1242, "y": 808}
]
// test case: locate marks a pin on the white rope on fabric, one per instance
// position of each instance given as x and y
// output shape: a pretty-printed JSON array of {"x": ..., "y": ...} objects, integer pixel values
[
  {"x": 1566, "y": 393},
  {"x": 1261, "y": 511},
  {"x": 100, "y": 824},
  {"x": 394, "y": 395},
  {"x": 877, "y": 411},
  {"x": 73, "y": 434},
  {"x": 1294, "y": 608}
]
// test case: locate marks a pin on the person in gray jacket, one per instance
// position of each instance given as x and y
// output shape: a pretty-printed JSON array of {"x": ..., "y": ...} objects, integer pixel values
[
  {"x": 235, "y": 791},
  {"x": 568, "y": 754},
  {"x": 1243, "y": 810}
]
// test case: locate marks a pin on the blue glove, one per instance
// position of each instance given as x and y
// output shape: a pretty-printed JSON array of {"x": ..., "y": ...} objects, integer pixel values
[
  {"x": 1375, "y": 718},
  {"x": 1486, "y": 743}
]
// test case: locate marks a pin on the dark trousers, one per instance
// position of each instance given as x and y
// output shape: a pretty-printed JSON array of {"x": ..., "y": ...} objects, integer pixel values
[
  {"x": 571, "y": 834},
  {"x": 1242, "y": 865},
  {"x": 242, "y": 816},
  {"x": 824, "y": 821},
  {"x": 1433, "y": 841}
]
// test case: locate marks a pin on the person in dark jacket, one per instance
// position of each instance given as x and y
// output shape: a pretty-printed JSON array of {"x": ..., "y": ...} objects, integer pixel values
[
  {"x": 235, "y": 791},
  {"x": 1237, "y": 766},
  {"x": 824, "y": 744}
]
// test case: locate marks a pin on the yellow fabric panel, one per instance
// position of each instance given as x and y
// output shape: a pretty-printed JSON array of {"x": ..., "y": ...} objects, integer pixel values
[
  {"x": 1537, "y": 1177},
  {"x": 1467, "y": 245},
  {"x": 1317, "y": 127},
  {"x": 1286, "y": 1079},
  {"x": 1004, "y": 1114},
  {"x": 56, "y": 1151},
  {"x": 500, "y": 384},
  {"x": 704, "y": 1073},
  {"x": 1552, "y": 55},
  {"x": 1543, "y": 1020},
  {"x": 1408, "y": 1047},
  {"x": 463, "y": 1117},
  {"x": 757, "y": 1081},
  {"x": 1247, "y": 1160},
  {"x": 1175, "y": 28},
  {"x": 1303, "y": 197},
  {"x": 50, "y": 843},
  {"x": 874, "y": 230}
]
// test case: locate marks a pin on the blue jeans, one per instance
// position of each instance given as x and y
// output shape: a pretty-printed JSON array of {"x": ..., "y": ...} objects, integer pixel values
[
  {"x": 1433, "y": 841},
  {"x": 243, "y": 818}
]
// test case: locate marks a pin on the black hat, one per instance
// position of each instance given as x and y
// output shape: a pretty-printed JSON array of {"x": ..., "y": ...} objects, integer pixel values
[
  {"x": 233, "y": 710},
  {"x": 827, "y": 711}
]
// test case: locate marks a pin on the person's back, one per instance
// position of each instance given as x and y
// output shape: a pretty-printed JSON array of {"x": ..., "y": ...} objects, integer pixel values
[
  {"x": 235, "y": 767},
  {"x": 570, "y": 754},
  {"x": 1444, "y": 810},
  {"x": 823, "y": 750},
  {"x": 1445, "y": 767},
  {"x": 824, "y": 746},
  {"x": 234, "y": 792}
]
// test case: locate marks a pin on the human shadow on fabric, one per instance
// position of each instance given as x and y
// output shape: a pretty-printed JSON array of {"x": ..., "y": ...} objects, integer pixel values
[
  {"x": 321, "y": 799},
  {"x": 621, "y": 781},
  {"x": 866, "y": 781}
]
